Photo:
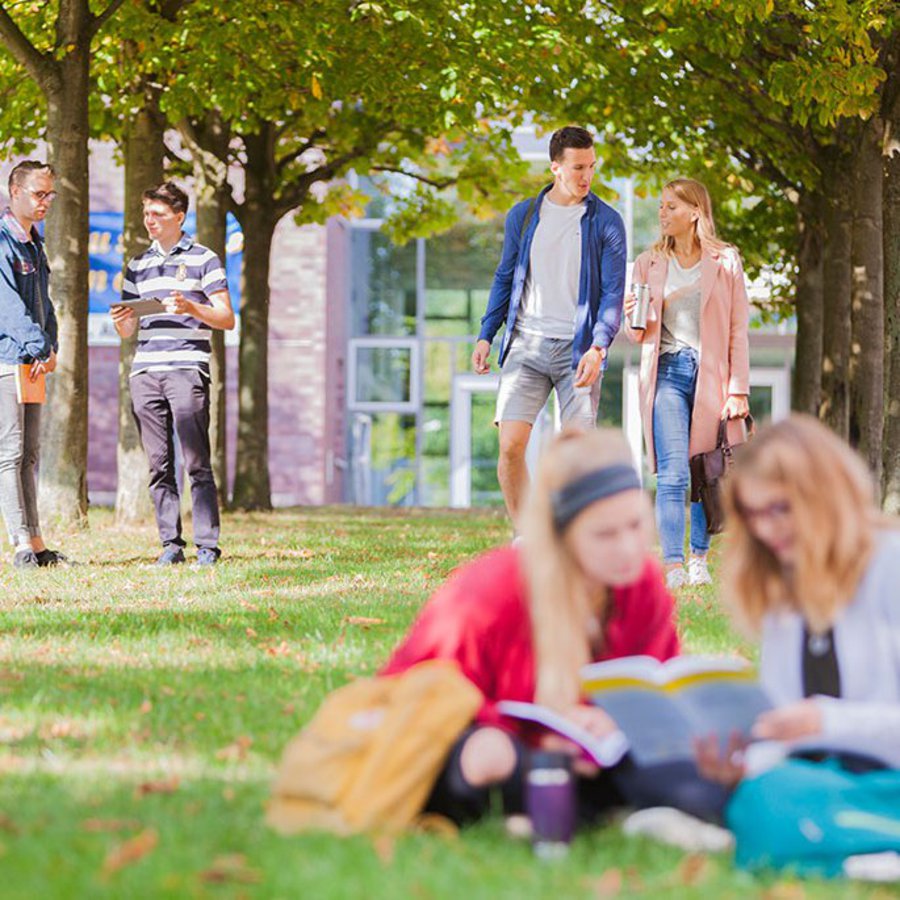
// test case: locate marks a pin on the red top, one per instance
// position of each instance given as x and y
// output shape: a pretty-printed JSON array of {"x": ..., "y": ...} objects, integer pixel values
[{"x": 480, "y": 618}]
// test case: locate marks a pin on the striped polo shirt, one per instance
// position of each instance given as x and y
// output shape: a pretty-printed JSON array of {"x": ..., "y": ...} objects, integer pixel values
[{"x": 165, "y": 341}]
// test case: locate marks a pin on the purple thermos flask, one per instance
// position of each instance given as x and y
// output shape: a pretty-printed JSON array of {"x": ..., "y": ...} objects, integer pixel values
[{"x": 550, "y": 803}]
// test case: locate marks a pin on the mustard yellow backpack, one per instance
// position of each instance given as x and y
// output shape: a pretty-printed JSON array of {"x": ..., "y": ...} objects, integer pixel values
[{"x": 368, "y": 759}]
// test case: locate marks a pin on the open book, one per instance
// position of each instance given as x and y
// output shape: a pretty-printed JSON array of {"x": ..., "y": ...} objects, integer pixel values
[
  {"x": 605, "y": 752},
  {"x": 141, "y": 306},
  {"x": 663, "y": 707}
]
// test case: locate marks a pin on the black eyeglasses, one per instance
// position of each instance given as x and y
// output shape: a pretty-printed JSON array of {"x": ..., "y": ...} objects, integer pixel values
[{"x": 40, "y": 196}]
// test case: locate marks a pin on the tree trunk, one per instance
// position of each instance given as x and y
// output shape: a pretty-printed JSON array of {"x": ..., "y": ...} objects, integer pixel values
[
  {"x": 258, "y": 221},
  {"x": 867, "y": 303},
  {"x": 143, "y": 152},
  {"x": 807, "y": 380},
  {"x": 210, "y": 176},
  {"x": 891, "y": 246},
  {"x": 834, "y": 408},
  {"x": 63, "y": 470}
]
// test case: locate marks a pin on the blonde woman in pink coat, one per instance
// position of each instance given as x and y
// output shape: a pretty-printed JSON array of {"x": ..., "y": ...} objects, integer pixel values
[{"x": 695, "y": 361}]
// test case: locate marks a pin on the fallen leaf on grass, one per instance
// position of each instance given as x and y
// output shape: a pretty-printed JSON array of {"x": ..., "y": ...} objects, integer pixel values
[
  {"x": 364, "y": 621},
  {"x": 162, "y": 786},
  {"x": 237, "y": 751},
  {"x": 250, "y": 633},
  {"x": 231, "y": 867},
  {"x": 384, "y": 848},
  {"x": 289, "y": 554},
  {"x": 61, "y": 728},
  {"x": 785, "y": 890},
  {"x": 282, "y": 649},
  {"x": 609, "y": 884},
  {"x": 146, "y": 706},
  {"x": 130, "y": 851},
  {"x": 693, "y": 870},
  {"x": 7, "y": 824},
  {"x": 98, "y": 826}
]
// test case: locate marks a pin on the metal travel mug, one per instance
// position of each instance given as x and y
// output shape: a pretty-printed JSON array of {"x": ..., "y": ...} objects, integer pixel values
[
  {"x": 638, "y": 317},
  {"x": 550, "y": 803}
]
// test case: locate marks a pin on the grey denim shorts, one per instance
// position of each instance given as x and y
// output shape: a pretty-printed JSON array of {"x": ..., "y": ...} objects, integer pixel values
[{"x": 535, "y": 366}]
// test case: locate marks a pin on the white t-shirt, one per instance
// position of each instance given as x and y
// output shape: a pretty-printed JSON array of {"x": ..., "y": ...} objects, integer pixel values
[
  {"x": 681, "y": 310},
  {"x": 550, "y": 297}
]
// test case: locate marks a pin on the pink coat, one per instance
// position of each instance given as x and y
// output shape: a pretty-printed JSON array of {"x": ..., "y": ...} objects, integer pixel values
[{"x": 724, "y": 344}]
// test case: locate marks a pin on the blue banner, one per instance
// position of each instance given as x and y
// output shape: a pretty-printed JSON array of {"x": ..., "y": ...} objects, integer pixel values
[{"x": 105, "y": 251}]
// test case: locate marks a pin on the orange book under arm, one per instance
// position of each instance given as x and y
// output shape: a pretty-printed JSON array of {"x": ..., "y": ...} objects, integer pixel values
[{"x": 28, "y": 391}]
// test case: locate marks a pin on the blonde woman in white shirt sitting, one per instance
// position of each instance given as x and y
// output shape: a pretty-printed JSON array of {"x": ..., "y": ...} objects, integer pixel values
[{"x": 814, "y": 567}]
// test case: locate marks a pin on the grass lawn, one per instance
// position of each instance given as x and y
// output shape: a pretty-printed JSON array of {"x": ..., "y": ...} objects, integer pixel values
[{"x": 142, "y": 714}]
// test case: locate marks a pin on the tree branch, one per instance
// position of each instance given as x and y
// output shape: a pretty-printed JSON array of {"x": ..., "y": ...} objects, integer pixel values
[
  {"x": 98, "y": 21},
  {"x": 41, "y": 68},
  {"x": 438, "y": 185},
  {"x": 293, "y": 195},
  {"x": 212, "y": 166},
  {"x": 294, "y": 155}
]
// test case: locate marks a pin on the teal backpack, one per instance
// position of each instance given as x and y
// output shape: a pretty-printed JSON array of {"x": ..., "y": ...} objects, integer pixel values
[{"x": 809, "y": 816}]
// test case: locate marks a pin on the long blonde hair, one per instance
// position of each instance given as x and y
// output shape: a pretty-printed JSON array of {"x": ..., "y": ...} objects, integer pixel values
[
  {"x": 695, "y": 195},
  {"x": 560, "y": 599},
  {"x": 835, "y": 519}
]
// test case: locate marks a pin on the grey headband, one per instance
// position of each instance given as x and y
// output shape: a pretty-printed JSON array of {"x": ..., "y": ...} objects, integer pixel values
[{"x": 580, "y": 493}]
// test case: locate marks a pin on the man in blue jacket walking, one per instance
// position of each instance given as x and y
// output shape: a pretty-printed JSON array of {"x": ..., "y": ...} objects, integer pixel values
[
  {"x": 27, "y": 337},
  {"x": 559, "y": 288}
]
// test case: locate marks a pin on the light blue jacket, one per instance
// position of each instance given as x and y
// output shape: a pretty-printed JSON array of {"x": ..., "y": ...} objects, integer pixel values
[{"x": 601, "y": 287}]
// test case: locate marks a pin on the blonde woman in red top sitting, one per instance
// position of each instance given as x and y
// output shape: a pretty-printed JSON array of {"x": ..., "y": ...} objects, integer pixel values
[{"x": 522, "y": 620}]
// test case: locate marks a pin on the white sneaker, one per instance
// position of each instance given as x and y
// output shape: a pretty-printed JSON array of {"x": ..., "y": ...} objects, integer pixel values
[
  {"x": 678, "y": 829},
  {"x": 676, "y": 578},
  {"x": 698, "y": 571},
  {"x": 873, "y": 866}
]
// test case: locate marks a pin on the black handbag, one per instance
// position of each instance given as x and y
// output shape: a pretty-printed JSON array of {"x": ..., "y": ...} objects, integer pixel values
[{"x": 707, "y": 471}]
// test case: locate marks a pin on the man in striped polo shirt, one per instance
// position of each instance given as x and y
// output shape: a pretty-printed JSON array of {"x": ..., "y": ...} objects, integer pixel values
[{"x": 170, "y": 372}]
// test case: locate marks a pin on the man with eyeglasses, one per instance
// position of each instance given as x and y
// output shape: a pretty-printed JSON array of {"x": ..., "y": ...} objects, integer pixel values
[{"x": 27, "y": 337}]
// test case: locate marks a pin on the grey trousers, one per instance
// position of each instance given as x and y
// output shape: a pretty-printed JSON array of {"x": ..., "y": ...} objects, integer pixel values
[
  {"x": 174, "y": 402},
  {"x": 20, "y": 427}
]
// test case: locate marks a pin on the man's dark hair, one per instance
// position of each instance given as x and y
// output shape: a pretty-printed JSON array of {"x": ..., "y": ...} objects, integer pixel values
[
  {"x": 20, "y": 172},
  {"x": 570, "y": 136},
  {"x": 169, "y": 193}
]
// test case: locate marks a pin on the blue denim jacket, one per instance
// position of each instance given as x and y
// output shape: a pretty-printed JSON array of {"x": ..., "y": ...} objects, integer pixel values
[
  {"x": 602, "y": 282},
  {"x": 24, "y": 281}
]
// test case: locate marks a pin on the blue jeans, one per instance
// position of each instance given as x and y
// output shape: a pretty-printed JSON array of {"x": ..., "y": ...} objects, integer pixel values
[{"x": 676, "y": 381}]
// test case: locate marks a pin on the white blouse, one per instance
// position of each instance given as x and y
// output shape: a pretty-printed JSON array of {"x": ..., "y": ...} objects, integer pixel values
[{"x": 866, "y": 718}]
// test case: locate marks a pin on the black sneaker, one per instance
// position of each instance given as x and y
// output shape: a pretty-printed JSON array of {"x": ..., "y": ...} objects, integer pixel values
[
  {"x": 47, "y": 557},
  {"x": 207, "y": 556},
  {"x": 25, "y": 559},
  {"x": 171, "y": 556}
]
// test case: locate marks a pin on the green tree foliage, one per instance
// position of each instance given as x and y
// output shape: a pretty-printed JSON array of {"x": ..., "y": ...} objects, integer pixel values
[{"x": 310, "y": 92}]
